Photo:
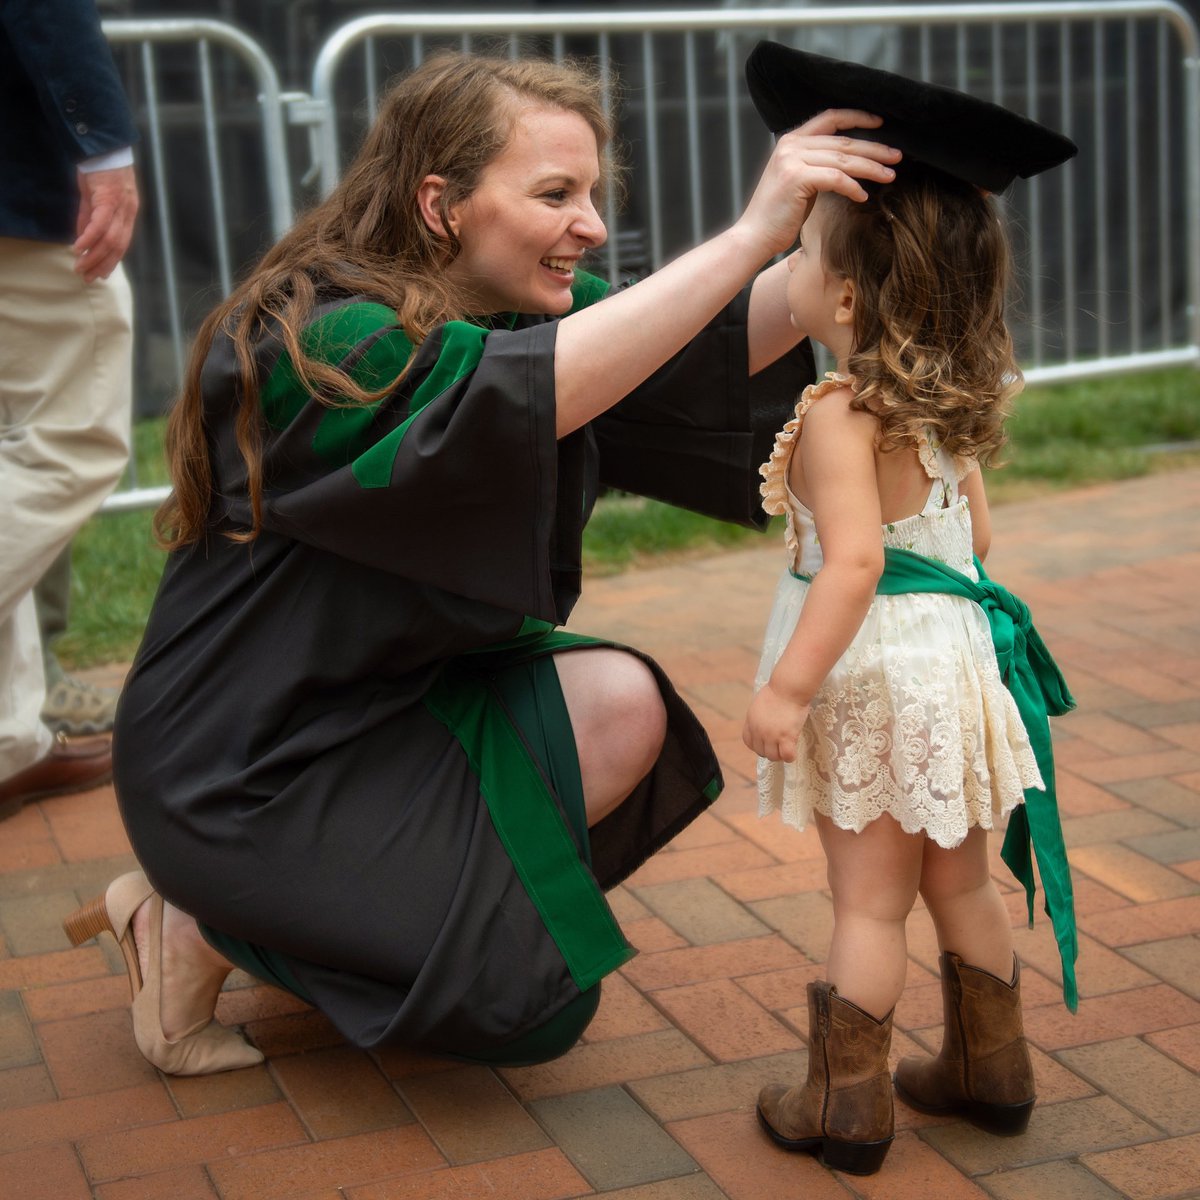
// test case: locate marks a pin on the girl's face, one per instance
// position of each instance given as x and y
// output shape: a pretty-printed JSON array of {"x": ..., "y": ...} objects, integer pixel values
[
  {"x": 815, "y": 297},
  {"x": 525, "y": 227}
]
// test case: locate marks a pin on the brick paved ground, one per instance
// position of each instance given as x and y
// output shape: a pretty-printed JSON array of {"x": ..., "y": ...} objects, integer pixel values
[{"x": 732, "y": 921}]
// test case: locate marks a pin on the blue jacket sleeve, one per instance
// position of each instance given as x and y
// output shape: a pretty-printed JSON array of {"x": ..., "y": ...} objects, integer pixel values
[
  {"x": 61, "y": 49},
  {"x": 62, "y": 102}
]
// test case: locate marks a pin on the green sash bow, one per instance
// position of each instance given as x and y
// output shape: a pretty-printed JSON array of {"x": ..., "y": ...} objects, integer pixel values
[{"x": 1040, "y": 692}]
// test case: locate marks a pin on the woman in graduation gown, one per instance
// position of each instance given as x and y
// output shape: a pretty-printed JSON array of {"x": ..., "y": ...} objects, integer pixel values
[{"x": 355, "y": 754}]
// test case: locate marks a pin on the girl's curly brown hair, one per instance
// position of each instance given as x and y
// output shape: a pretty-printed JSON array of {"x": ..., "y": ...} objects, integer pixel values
[{"x": 930, "y": 264}]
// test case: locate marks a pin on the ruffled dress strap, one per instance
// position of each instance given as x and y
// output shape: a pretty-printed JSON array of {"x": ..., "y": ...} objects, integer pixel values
[
  {"x": 777, "y": 497},
  {"x": 943, "y": 468},
  {"x": 775, "y": 470}
]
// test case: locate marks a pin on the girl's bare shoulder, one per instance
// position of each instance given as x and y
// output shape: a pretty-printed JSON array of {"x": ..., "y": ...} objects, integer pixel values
[{"x": 835, "y": 411}]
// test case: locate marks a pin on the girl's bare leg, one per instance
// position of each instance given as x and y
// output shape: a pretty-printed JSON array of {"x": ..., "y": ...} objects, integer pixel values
[
  {"x": 874, "y": 877},
  {"x": 619, "y": 720},
  {"x": 966, "y": 906}
]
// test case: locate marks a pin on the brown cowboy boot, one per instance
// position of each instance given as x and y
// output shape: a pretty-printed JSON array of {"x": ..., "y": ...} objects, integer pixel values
[
  {"x": 983, "y": 1070},
  {"x": 843, "y": 1112}
]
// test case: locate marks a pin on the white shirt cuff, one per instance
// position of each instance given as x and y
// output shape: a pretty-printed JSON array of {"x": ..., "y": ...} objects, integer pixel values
[{"x": 108, "y": 162}]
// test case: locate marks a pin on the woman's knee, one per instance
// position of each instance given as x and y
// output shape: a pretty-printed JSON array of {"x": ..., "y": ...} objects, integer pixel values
[
  {"x": 619, "y": 722},
  {"x": 613, "y": 699}
]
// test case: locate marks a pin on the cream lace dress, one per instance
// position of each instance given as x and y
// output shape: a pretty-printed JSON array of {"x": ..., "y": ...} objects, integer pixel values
[{"x": 913, "y": 720}]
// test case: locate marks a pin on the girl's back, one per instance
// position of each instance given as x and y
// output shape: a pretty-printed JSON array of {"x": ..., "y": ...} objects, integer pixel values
[{"x": 902, "y": 478}]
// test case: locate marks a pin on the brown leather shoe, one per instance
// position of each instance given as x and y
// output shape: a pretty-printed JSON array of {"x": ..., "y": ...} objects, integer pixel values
[{"x": 72, "y": 765}]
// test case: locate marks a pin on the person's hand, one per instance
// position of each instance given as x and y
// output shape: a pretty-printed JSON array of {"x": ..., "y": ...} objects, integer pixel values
[
  {"x": 815, "y": 157},
  {"x": 773, "y": 724},
  {"x": 108, "y": 204}
]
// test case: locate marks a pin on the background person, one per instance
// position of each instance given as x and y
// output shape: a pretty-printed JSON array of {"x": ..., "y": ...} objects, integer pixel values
[
  {"x": 68, "y": 199},
  {"x": 73, "y": 707}
]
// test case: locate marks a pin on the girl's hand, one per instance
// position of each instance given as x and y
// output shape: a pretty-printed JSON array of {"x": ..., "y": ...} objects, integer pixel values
[
  {"x": 773, "y": 724},
  {"x": 815, "y": 157}
]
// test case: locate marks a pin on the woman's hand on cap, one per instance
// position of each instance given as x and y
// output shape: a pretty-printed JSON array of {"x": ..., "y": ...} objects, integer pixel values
[{"x": 815, "y": 157}]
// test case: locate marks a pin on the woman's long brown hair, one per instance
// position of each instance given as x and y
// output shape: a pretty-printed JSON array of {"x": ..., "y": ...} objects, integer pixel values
[{"x": 449, "y": 117}]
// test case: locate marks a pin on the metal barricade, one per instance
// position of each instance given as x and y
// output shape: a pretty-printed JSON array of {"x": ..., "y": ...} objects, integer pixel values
[
  {"x": 199, "y": 89},
  {"x": 1108, "y": 247}
]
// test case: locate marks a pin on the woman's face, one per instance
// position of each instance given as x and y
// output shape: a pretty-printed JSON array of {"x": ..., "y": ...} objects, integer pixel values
[{"x": 525, "y": 227}]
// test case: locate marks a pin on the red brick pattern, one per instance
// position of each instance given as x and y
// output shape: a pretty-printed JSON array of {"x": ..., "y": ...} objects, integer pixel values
[{"x": 731, "y": 922}]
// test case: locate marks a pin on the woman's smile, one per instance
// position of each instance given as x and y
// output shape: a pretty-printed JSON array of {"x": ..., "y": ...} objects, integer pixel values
[{"x": 560, "y": 266}]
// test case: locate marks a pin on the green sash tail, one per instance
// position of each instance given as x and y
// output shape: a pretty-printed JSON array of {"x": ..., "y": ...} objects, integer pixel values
[{"x": 1040, "y": 692}]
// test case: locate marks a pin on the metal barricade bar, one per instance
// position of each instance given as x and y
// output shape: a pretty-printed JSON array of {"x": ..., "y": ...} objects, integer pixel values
[
  {"x": 203, "y": 32},
  {"x": 160, "y": 117},
  {"x": 1114, "y": 297},
  {"x": 1093, "y": 299}
]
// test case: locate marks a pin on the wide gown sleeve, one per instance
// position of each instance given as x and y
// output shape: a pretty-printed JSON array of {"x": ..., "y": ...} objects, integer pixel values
[
  {"x": 695, "y": 433},
  {"x": 453, "y": 477},
  {"x": 449, "y": 479}
]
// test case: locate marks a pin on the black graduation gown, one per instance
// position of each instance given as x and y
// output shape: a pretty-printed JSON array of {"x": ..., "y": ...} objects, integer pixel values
[{"x": 311, "y": 754}]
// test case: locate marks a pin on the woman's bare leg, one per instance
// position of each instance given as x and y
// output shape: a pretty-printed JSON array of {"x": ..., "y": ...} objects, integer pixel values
[{"x": 619, "y": 721}]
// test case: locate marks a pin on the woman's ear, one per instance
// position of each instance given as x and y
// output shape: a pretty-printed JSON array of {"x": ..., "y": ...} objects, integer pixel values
[
  {"x": 843, "y": 314},
  {"x": 429, "y": 201}
]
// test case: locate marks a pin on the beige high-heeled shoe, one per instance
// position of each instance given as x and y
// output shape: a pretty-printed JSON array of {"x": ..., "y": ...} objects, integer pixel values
[{"x": 206, "y": 1048}]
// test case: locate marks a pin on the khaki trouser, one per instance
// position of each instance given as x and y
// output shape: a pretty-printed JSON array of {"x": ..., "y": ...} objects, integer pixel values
[{"x": 65, "y": 389}]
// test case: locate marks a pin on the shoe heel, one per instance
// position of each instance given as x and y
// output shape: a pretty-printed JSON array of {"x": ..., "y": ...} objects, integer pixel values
[
  {"x": 1004, "y": 1120},
  {"x": 855, "y": 1158},
  {"x": 88, "y": 922}
]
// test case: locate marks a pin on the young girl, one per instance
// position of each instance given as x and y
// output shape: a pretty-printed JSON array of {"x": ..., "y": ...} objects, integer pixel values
[{"x": 883, "y": 718}]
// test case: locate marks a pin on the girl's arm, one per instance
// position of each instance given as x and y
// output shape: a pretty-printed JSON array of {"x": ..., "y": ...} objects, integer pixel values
[
  {"x": 981, "y": 517},
  {"x": 604, "y": 351},
  {"x": 838, "y": 482}
]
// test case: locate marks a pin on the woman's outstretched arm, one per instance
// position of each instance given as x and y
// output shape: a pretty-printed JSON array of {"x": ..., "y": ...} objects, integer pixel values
[{"x": 603, "y": 352}]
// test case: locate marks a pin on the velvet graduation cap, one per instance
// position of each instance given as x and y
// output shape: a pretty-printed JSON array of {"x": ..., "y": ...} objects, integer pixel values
[{"x": 971, "y": 139}]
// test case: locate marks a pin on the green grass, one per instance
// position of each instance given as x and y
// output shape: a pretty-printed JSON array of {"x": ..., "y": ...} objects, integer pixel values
[
  {"x": 1062, "y": 436},
  {"x": 625, "y": 530},
  {"x": 1073, "y": 434}
]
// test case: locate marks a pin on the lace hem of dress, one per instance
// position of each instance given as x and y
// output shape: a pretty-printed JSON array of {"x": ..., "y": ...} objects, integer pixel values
[
  {"x": 855, "y": 816},
  {"x": 941, "y": 800},
  {"x": 939, "y": 750}
]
